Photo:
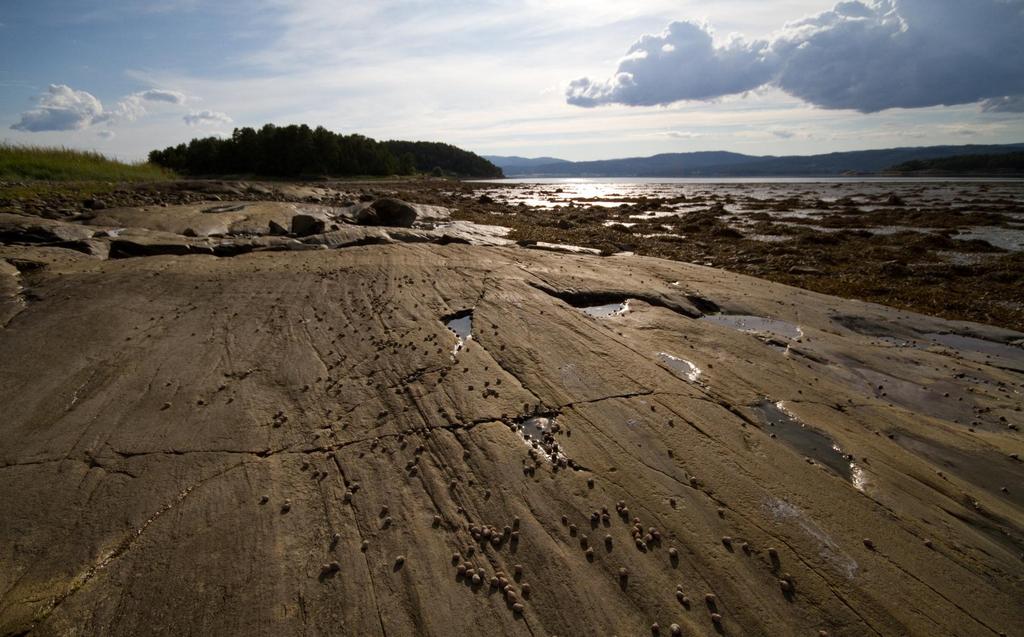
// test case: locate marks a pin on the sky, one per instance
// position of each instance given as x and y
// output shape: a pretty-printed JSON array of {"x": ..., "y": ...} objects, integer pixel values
[{"x": 575, "y": 79}]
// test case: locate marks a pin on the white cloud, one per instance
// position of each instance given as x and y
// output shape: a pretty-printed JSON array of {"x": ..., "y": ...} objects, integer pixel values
[
  {"x": 195, "y": 118},
  {"x": 60, "y": 108},
  {"x": 106, "y": 134},
  {"x": 161, "y": 95},
  {"x": 127, "y": 109},
  {"x": 132, "y": 107},
  {"x": 474, "y": 73},
  {"x": 1005, "y": 104},
  {"x": 683, "y": 63},
  {"x": 866, "y": 55},
  {"x": 678, "y": 134}
]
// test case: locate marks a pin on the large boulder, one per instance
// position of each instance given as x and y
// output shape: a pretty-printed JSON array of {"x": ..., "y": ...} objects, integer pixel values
[
  {"x": 305, "y": 225},
  {"x": 398, "y": 214},
  {"x": 387, "y": 212}
]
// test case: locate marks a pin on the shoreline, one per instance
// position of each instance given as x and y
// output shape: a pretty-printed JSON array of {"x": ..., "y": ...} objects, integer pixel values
[{"x": 910, "y": 270}]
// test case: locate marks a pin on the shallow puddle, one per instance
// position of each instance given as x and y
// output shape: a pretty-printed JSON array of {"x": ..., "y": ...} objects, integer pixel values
[
  {"x": 1005, "y": 238},
  {"x": 681, "y": 367},
  {"x": 756, "y": 325},
  {"x": 807, "y": 441},
  {"x": 539, "y": 432},
  {"x": 985, "y": 469},
  {"x": 770, "y": 238},
  {"x": 461, "y": 325},
  {"x": 662, "y": 235},
  {"x": 893, "y": 341},
  {"x": 607, "y": 310},
  {"x": 1010, "y": 355},
  {"x": 962, "y": 258},
  {"x": 941, "y": 398},
  {"x": 560, "y": 247},
  {"x": 225, "y": 208},
  {"x": 663, "y": 214}
]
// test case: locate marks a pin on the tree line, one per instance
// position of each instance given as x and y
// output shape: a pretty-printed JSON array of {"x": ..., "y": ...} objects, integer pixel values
[
  {"x": 301, "y": 151},
  {"x": 1000, "y": 164}
]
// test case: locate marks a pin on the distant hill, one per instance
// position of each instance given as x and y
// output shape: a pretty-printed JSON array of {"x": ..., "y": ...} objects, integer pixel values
[
  {"x": 432, "y": 156},
  {"x": 523, "y": 162},
  {"x": 726, "y": 164},
  {"x": 300, "y": 151},
  {"x": 1001, "y": 164}
]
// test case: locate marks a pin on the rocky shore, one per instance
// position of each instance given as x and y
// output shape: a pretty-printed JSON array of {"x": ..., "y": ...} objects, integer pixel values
[{"x": 421, "y": 409}]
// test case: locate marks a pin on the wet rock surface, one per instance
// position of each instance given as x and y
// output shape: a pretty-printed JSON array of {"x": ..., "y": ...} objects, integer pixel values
[
  {"x": 954, "y": 249},
  {"x": 346, "y": 432}
]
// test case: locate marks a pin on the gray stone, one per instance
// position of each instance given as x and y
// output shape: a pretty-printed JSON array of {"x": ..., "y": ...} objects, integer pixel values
[
  {"x": 306, "y": 225},
  {"x": 387, "y": 212}
]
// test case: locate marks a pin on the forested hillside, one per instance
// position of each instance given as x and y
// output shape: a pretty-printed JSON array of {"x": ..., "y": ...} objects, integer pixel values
[
  {"x": 301, "y": 151},
  {"x": 1004, "y": 164}
]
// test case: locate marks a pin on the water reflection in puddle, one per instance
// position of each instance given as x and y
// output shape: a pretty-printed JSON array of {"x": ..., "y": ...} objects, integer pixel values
[
  {"x": 1005, "y": 238},
  {"x": 756, "y": 325},
  {"x": 647, "y": 216},
  {"x": 809, "y": 442},
  {"x": 978, "y": 466},
  {"x": 681, "y": 367},
  {"x": 607, "y": 310},
  {"x": 770, "y": 238},
  {"x": 539, "y": 433},
  {"x": 893, "y": 341},
  {"x": 461, "y": 325},
  {"x": 990, "y": 349}
]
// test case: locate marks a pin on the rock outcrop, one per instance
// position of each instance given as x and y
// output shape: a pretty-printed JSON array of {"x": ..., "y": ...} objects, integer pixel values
[
  {"x": 408, "y": 435},
  {"x": 26, "y": 229}
]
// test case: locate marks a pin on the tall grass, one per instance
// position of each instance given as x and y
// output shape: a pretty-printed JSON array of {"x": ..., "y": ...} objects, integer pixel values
[{"x": 65, "y": 164}]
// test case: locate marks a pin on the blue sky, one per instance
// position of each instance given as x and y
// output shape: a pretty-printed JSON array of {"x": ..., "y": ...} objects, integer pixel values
[{"x": 579, "y": 79}]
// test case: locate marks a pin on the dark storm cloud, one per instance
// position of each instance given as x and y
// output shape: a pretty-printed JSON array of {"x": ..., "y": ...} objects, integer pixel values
[{"x": 861, "y": 55}]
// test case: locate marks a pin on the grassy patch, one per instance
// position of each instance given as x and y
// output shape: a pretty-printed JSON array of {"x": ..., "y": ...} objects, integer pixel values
[{"x": 63, "y": 164}]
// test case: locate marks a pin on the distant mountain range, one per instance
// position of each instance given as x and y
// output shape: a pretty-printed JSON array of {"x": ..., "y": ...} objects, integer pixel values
[
  {"x": 726, "y": 164},
  {"x": 524, "y": 162}
]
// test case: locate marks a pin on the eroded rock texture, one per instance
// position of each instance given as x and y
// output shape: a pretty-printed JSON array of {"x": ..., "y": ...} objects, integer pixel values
[{"x": 295, "y": 443}]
